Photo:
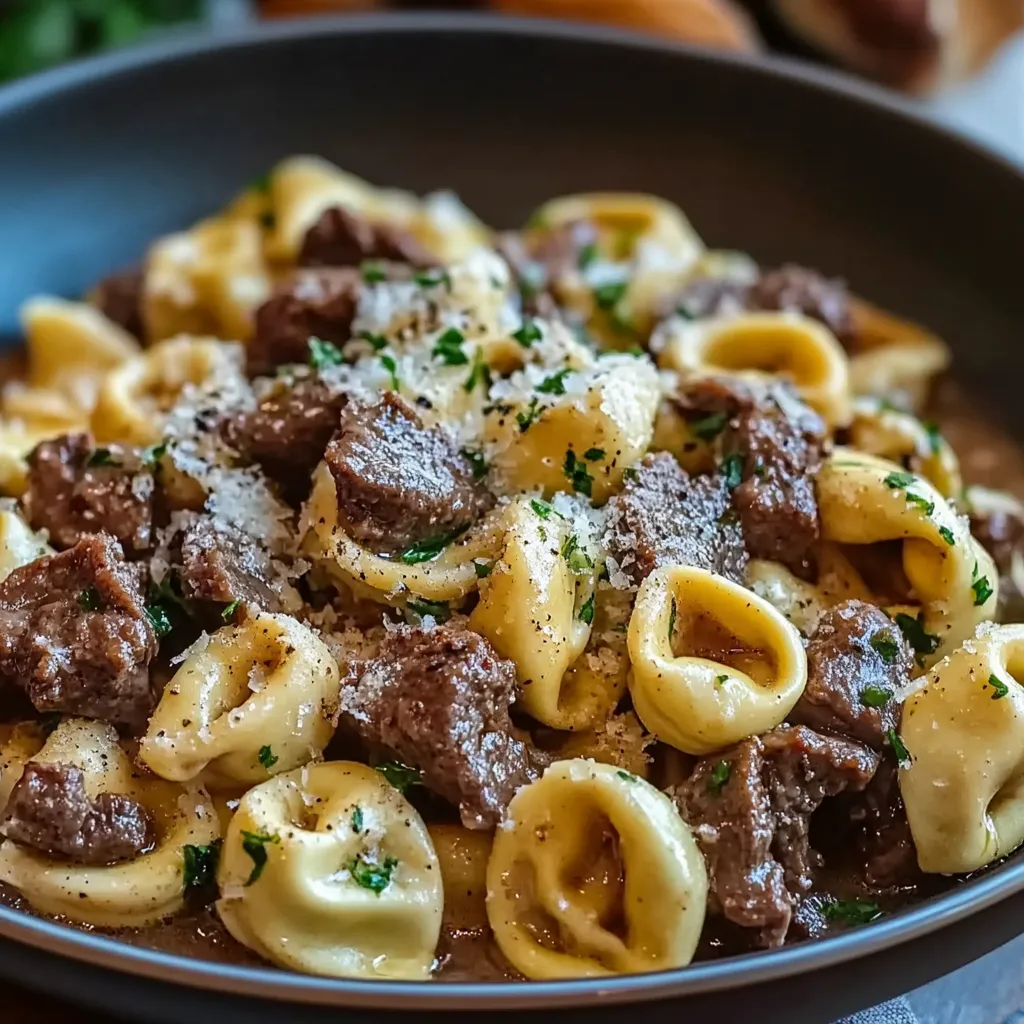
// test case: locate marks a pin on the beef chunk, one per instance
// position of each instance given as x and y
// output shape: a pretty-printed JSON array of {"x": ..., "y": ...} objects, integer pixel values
[
  {"x": 998, "y": 525},
  {"x": 74, "y": 634},
  {"x": 344, "y": 238},
  {"x": 902, "y": 27},
  {"x": 119, "y": 297},
  {"x": 663, "y": 516},
  {"x": 884, "y": 839},
  {"x": 50, "y": 811},
  {"x": 788, "y": 288},
  {"x": 288, "y": 433},
  {"x": 439, "y": 699},
  {"x": 76, "y": 489},
  {"x": 399, "y": 481},
  {"x": 751, "y": 808},
  {"x": 311, "y": 303},
  {"x": 775, "y": 442},
  {"x": 856, "y": 659}
]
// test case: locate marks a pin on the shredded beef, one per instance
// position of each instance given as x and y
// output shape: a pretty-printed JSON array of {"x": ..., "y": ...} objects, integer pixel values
[
  {"x": 399, "y": 481},
  {"x": 50, "y": 811},
  {"x": 751, "y": 808},
  {"x": 663, "y": 516},
  {"x": 778, "y": 442},
  {"x": 74, "y": 634},
  {"x": 75, "y": 489},
  {"x": 288, "y": 433},
  {"x": 344, "y": 238},
  {"x": 439, "y": 699},
  {"x": 856, "y": 655},
  {"x": 119, "y": 297},
  {"x": 310, "y": 304},
  {"x": 1000, "y": 531}
]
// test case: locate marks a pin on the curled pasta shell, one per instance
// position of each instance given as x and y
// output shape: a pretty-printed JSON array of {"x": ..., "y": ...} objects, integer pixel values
[
  {"x": 594, "y": 873},
  {"x": 964, "y": 730},
  {"x": 268, "y": 683},
  {"x": 800, "y": 602},
  {"x": 741, "y": 670},
  {"x": 463, "y": 854},
  {"x": 133, "y": 893},
  {"x": 329, "y": 870}
]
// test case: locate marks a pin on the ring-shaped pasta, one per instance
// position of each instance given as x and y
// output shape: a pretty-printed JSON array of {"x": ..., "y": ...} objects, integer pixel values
[
  {"x": 329, "y": 870},
  {"x": 17, "y": 440},
  {"x": 740, "y": 669},
  {"x": 594, "y": 873},
  {"x": 135, "y": 397},
  {"x": 259, "y": 698},
  {"x": 41, "y": 408},
  {"x": 463, "y": 854},
  {"x": 133, "y": 893},
  {"x": 787, "y": 345},
  {"x": 964, "y": 731},
  {"x": 19, "y": 543},
  {"x": 866, "y": 500}
]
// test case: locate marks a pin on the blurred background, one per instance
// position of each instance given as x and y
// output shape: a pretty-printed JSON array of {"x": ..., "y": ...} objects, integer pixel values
[{"x": 965, "y": 58}]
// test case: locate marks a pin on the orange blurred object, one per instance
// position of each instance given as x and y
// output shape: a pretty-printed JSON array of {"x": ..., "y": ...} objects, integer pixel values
[{"x": 715, "y": 23}]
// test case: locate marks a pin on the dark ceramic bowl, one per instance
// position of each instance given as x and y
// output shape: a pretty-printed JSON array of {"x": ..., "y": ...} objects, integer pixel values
[{"x": 785, "y": 162}]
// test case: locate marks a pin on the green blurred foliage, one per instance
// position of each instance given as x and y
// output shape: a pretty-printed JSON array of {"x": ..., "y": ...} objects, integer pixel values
[{"x": 37, "y": 34}]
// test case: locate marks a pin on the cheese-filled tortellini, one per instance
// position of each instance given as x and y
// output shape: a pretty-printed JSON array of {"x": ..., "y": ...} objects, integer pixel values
[
  {"x": 594, "y": 873},
  {"x": 962, "y": 774},
  {"x": 329, "y": 870},
  {"x": 144, "y": 890},
  {"x": 256, "y": 698},
  {"x": 712, "y": 662}
]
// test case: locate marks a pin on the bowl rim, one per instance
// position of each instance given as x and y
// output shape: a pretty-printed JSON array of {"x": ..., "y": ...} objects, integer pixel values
[{"x": 107, "y": 952}]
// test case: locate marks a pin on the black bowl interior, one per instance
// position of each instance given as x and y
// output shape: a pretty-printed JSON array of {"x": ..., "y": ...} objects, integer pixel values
[{"x": 783, "y": 162}]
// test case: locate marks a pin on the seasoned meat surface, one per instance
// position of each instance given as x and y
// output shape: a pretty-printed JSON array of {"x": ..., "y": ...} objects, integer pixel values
[
  {"x": 310, "y": 304},
  {"x": 1000, "y": 531},
  {"x": 74, "y": 634},
  {"x": 773, "y": 442},
  {"x": 288, "y": 432},
  {"x": 886, "y": 843},
  {"x": 119, "y": 297},
  {"x": 856, "y": 660},
  {"x": 440, "y": 700},
  {"x": 398, "y": 481},
  {"x": 664, "y": 516},
  {"x": 76, "y": 488},
  {"x": 343, "y": 238},
  {"x": 50, "y": 811}
]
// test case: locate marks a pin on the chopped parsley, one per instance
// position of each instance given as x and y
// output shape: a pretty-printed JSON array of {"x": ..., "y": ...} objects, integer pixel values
[
  {"x": 626, "y": 776},
  {"x": 448, "y": 348},
  {"x": 579, "y": 561},
  {"x": 981, "y": 587},
  {"x": 576, "y": 473},
  {"x": 323, "y": 354},
  {"x": 401, "y": 776},
  {"x": 707, "y": 428},
  {"x": 923, "y": 642},
  {"x": 886, "y": 646},
  {"x": 391, "y": 366},
  {"x": 102, "y": 457},
  {"x": 719, "y": 776},
  {"x": 159, "y": 620},
  {"x": 527, "y": 334},
  {"x": 672, "y": 621},
  {"x": 1000, "y": 688},
  {"x": 152, "y": 455},
  {"x": 947, "y": 535},
  {"x": 527, "y": 418},
  {"x": 594, "y": 454},
  {"x": 372, "y": 272},
  {"x": 357, "y": 820},
  {"x": 899, "y": 748},
  {"x": 267, "y": 757},
  {"x": 477, "y": 462},
  {"x": 899, "y": 481},
  {"x": 479, "y": 374},
  {"x": 607, "y": 296},
  {"x": 200, "y": 865},
  {"x": 851, "y": 911},
  {"x": 229, "y": 611},
  {"x": 587, "y": 611},
  {"x": 732, "y": 470},
  {"x": 255, "y": 844},
  {"x": 926, "y": 506},
  {"x": 720, "y": 680},
  {"x": 89, "y": 599},
  {"x": 482, "y": 571},
  {"x": 555, "y": 384},
  {"x": 542, "y": 508},
  {"x": 630, "y": 474},
  {"x": 875, "y": 696},
  {"x": 587, "y": 255},
  {"x": 931, "y": 428},
  {"x": 375, "y": 877},
  {"x": 376, "y": 341},
  {"x": 436, "y": 609},
  {"x": 425, "y": 550},
  {"x": 432, "y": 278}
]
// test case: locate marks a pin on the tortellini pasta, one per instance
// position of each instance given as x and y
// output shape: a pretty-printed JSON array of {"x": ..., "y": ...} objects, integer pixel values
[
  {"x": 255, "y": 698},
  {"x": 329, "y": 870},
  {"x": 132, "y": 893},
  {"x": 19, "y": 544},
  {"x": 594, "y": 873},
  {"x": 712, "y": 662},
  {"x": 963, "y": 731}
]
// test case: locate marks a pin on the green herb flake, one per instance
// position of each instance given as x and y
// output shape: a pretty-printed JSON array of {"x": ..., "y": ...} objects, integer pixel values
[
  {"x": 477, "y": 462},
  {"x": 926, "y": 506},
  {"x": 587, "y": 611},
  {"x": 982, "y": 590},
  {"x": 732, "y": 469},
  {"x": 587, "y": 255},
  {"x": 438, "y": 610},
  {"x": 357, "y": 820},
  {"x": 372, "y": 272},
  {"x": 947, "y": 535},
  {"x": 542, "y": 508},
  {"x": 721, "y": 680},
  {"x": 527, "y": 334},
  {"x": 425, "y": 550},
  {"x": 578, "y": 560},
  {"x": 266, "y": 757},
  {"x": 875, "y": 696},
  {"x": 159, "y": 620},
  {"x": 887, "y": 646},
  {"x": 323, "y": 354},
  {"x": 376, "y": 341},
  {"x": 899, "y": 748},
  {"x": 923, "y": 642},
  {"x": 672, "y": 622},
  {"x": 719, "y": 776},
  {"x": 401, "y": 776},
  {"x": 527, "y": 418},
  {"x": 707, "y": 428},
  {"x": 1000, "y": 689},
  {"x": 152, "y": 455},
  {"x": 199, "y": 868},
  {"x": 89, "y": 599},
  {"x": 576, "y": 472},
  {"x": 479, "y": 374},
  {"x": 482, "y": 570},
  {"x": 432, "y": 278},
  {"x": 255, "y": 845},
  {"x": 851, "y": 912},
  {"x": 391, "y": 366},
  {"x": 899, "y": 481},
  {"x": 594, "y": 454},
  {"x": 607, "y": 296},
  {"x": 627, "y": 776},
  {"x": 102, "y": 457},
  {"x": 448, "y": 348},
  {"x": 555, "y": 384},
  {"x": 630, "y": 474},
  {"x": 229, "y": 611},
  {"x": 935, "y": 439},
  {"x": 375, "y": 877}
]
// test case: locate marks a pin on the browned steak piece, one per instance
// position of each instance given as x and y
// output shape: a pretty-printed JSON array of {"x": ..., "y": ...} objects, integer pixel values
[
  {"x": 663, "y": 516},
  {"x": 400, "y": 482},
  {"x": 119, "y": 297},
  {"x": 343, "y": 238},
  {"x": 50, "y": 811},
  {"x": 74, "y": 634},
  {"x": 76, "y": 488},
  {"x": 885, "y": 841},
  {"x": 439, "y": 699}
]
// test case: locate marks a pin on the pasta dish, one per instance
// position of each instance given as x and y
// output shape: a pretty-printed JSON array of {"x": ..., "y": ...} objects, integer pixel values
[{"x": 386, "y": 596}]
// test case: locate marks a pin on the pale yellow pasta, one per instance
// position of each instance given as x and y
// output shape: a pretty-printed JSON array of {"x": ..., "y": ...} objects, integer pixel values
[
  {"x": 132, "y": 893},
  {"x": 593, "y": 874},
  {"x": 267, "y": 685},
  {"x": 135, "y": 397},
  {"x": 42, "y": 408},
  {"x": 462, "y": 854},
  {"x": 19, "y": 543},
  {"x": 312, "y": 906},
  {"x": 802, "y": 603},
  {"x": 964, "y": 731},
  {"x": 16, "y": 441},
  {"x": 621, "y": 741},
  {"x": 786, "y": 345},
  {"x": 19, "y": 742},
  {"x": 443, "y": 225},
  {"x": 866, "y": 500},
  {"x": 713, "y": 663}
]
